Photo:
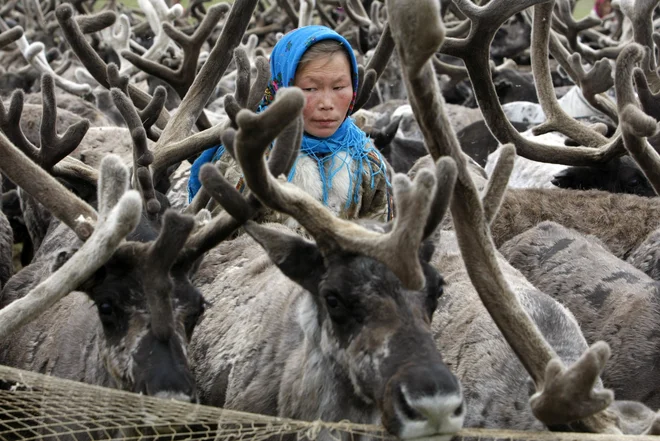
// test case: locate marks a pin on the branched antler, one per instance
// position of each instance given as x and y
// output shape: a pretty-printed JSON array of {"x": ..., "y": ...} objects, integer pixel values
[
  {"x": 142, "y": 156},
  {"x": 375, "y": 68},
  {"x": 557, "y": 118},
  {"x": 239, "y": 209},
  {"x": 640, "y": 13},
  {"x": 474, "y": 51},
  {"x": 54, "y": 148},
  {"x": 74, "y": 33},
  {"x": 650, "y": 101},
  {"x": 418, "y": 33},
  {"x": 571, "y": 29},
  {"x": 193, "y": 103},
  {"x": 246, "y": 95},
  {"x": 156, "y": 12},
  {"x": 398, "y": 249},
  {"x": 35, "y": 55},
  {"x": 147, "y": 116},
  {"x": 181, "y": 78}
]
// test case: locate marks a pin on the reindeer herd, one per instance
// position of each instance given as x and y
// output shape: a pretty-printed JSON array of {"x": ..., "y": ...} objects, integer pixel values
[{"x": 493, "y": 299}]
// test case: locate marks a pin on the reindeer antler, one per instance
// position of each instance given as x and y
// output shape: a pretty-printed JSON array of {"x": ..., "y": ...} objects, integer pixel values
[
  {"x": 35, "y": 55},
  {"x": 557, "y": 118},
  {"x": 53, "y": 148},
  {"x": 182, "y": 78},
  {"x": 239, "y": 210},
  {"x": 74, "y": 30},
  {"x": 10, "y": 36},
  {"x": 635, "y": 124},
  {"x": 474, "y": 50}
]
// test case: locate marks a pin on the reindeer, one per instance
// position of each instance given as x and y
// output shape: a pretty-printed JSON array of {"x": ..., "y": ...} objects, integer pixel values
[
  {"x": 241, "y": 285},
  {"x": 335, "y": 318},
  {"x": 629, "y": 219}
]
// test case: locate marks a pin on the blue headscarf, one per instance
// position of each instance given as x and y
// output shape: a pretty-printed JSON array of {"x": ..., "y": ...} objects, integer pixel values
[{"x": 349, "y": 138}]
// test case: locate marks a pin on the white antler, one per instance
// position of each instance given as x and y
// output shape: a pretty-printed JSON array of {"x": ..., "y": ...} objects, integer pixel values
[{"x": 35, "y": 54}]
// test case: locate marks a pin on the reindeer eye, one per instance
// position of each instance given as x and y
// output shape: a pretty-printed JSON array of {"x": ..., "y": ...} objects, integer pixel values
[
  {"x": 105, "y": 309},
  {"x": 332, "y": 301}
]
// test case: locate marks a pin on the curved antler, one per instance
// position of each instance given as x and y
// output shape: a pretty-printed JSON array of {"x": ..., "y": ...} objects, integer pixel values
[
  {"x": 635, "y": 124},
  {"x": 474, "y": 50}
]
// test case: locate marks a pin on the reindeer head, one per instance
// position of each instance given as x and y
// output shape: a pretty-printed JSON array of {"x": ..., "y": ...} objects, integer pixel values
[
  {"x": 148, "y": 309},
  {"x": 375, "y": 332}
]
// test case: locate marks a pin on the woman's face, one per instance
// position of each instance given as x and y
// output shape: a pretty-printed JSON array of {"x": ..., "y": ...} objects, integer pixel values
[{"x": 328, "y": 89}]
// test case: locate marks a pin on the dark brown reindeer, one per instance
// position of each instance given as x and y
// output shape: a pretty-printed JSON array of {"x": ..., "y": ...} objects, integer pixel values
[{"x": 336, "y": 328}]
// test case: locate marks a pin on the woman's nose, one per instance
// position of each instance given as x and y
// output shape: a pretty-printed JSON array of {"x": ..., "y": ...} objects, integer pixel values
[{"x": 325, "y": 101}]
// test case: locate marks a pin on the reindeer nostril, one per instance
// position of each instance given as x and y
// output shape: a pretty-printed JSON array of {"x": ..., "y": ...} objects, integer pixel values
[
  {"x": 408, "y": 410},
  {"x": 459, "y": 410}
]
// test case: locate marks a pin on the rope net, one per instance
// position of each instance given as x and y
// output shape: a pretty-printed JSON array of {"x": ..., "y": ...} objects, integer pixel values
[{"x": 40, "y": 407}]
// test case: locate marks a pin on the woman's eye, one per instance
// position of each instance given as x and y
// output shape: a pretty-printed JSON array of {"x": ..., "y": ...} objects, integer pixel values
[{"x": 309, "y": 89}]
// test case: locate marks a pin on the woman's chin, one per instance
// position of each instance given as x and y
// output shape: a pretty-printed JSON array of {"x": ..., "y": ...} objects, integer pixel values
[{"x": 322, "y": 132}]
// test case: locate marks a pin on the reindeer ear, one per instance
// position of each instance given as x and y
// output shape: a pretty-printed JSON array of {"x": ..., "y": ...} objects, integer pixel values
[{"x": 299, "y": 259}]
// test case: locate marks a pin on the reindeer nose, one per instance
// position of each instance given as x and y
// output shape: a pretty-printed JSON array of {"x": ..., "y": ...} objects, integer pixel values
[
  {"x": 428, "y": 402},
  {"x": 563, "y": 179}
]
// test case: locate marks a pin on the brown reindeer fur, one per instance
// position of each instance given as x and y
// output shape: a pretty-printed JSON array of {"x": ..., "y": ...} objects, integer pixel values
[
  {"x": 76, "y": 105},
  {"x": 612, "y": 300},
  {"x": 621, "y": 221}
]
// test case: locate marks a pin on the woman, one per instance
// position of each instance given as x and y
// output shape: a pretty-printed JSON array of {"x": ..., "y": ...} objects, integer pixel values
[{"x": 338, "y": 164}]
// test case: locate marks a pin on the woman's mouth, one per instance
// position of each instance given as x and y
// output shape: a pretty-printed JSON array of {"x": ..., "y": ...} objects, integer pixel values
[{"x": 324, "y": 122}]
